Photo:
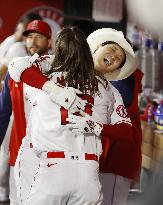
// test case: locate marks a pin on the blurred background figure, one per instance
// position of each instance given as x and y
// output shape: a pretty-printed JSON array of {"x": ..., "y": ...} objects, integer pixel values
[
  {"x": 135, "y": 37},
  {"x": 16, "y": 47},
  {"x": 4, "y": 47},
  {"x": 147, "y": 16},
  {"x": 55, "y": 29},
  {"x": 8, "y": 51},
  {"x": 148, "y": 13}
]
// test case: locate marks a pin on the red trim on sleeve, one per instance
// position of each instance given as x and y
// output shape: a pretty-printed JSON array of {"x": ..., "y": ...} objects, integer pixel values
[{"x": 33, "y": 77}]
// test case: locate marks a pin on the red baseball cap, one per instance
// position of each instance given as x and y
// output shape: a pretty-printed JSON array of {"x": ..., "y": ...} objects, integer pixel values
[{"x": 38, "y": 26}]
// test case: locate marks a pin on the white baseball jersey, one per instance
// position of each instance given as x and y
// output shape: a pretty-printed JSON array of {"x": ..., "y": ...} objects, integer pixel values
[
  {"x": 119, "y": 113},
  {"x": 44, "y": 64},
  {"x": 48, "y": 121}
]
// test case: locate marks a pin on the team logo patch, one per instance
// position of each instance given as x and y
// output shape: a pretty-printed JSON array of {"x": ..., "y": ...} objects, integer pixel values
[
  {"x": 121, "y": 111},
  {"x": 35, "y": 25}
]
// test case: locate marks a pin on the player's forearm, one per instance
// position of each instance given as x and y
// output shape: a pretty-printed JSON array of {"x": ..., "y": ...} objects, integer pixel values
[
  {"x": 122, "y": 131},
  {"x": 33, "y": 77}
]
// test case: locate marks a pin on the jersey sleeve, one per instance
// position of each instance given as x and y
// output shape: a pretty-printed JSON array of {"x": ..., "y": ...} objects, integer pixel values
[
  {"x": 119, "y": 114},
  {"x": 34, "y": 77},
  {"x": 120, "y": 127},
  {"x": 5, "y": 108}
]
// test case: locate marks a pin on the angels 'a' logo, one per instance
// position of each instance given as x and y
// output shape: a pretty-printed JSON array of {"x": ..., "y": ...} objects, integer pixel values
[
  {"x": 121, "y": 111},
  {"x": 35, "y": 25}
]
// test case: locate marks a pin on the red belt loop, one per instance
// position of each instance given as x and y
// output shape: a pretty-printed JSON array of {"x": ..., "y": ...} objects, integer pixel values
[
  {"x": 91, "y": 157},
  {"x": 55, "y": 155},
  {"x": 31, "y": 145}
]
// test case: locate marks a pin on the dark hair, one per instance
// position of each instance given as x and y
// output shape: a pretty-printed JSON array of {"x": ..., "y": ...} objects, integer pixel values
[
  {"x": 112, "y": 42},
  {"x": 30, "y": 17},
  {"x": 73, "y": 56}
]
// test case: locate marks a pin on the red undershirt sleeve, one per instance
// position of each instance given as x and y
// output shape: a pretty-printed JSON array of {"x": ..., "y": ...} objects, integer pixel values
[
  {"x": 34, "y": 77},
  {"x": 122, "y": 131}
]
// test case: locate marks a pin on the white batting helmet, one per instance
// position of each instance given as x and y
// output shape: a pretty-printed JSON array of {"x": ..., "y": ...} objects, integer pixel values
[{"x": 100, "y": 36}]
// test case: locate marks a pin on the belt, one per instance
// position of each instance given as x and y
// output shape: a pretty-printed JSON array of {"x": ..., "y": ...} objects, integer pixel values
[
  {"x": 72, "y": 156},
  {"x": 67, "y": 155}
]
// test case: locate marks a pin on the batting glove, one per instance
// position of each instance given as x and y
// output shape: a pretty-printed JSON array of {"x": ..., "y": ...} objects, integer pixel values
[
  {"x": 65, "y": 96},
  {"x": 84, "y": 125}
]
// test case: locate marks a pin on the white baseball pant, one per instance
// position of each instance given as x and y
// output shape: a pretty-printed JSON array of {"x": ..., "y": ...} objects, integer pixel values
[
  {"x": 68, "y": 181},
  {"x": 25, "y": 167},
  {"x": 13, "y": 196}
]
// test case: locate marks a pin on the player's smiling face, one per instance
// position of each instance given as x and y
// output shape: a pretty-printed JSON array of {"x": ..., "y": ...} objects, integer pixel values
[
  {"x": 37, "y": 43},
  {"x": 108, "y": 58}
]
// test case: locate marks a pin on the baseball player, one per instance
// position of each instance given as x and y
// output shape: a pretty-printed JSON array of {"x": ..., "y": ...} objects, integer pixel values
[
  {"x": 44, "y": 147},
  {"x": 6, "y": 48},
  {"x": 115, "y": 177},
  {"x": 34, "y": 31}
]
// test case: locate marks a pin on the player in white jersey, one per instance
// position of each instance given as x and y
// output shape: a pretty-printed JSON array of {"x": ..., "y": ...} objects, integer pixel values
[
  {"x": 107, "y": 47},
  {"x": 23, "y": 179},
  {"x": 59, "y": 148}
]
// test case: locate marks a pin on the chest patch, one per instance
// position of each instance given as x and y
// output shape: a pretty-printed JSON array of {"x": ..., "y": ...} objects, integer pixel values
[{"x": 121, "y": 111}]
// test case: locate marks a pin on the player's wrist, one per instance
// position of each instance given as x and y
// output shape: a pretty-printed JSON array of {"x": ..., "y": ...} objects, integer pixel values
[{"x": 98, "y": 128}]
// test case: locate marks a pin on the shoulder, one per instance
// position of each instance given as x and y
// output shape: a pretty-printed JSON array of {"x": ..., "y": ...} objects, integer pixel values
[
  {"x": 8, "y": 41},
  {"x": 5, "y": 45},
  {"x": 114, "y": 90},
  {"x": 18, "y": 46},
  {"x": 17, "y": 49}
]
